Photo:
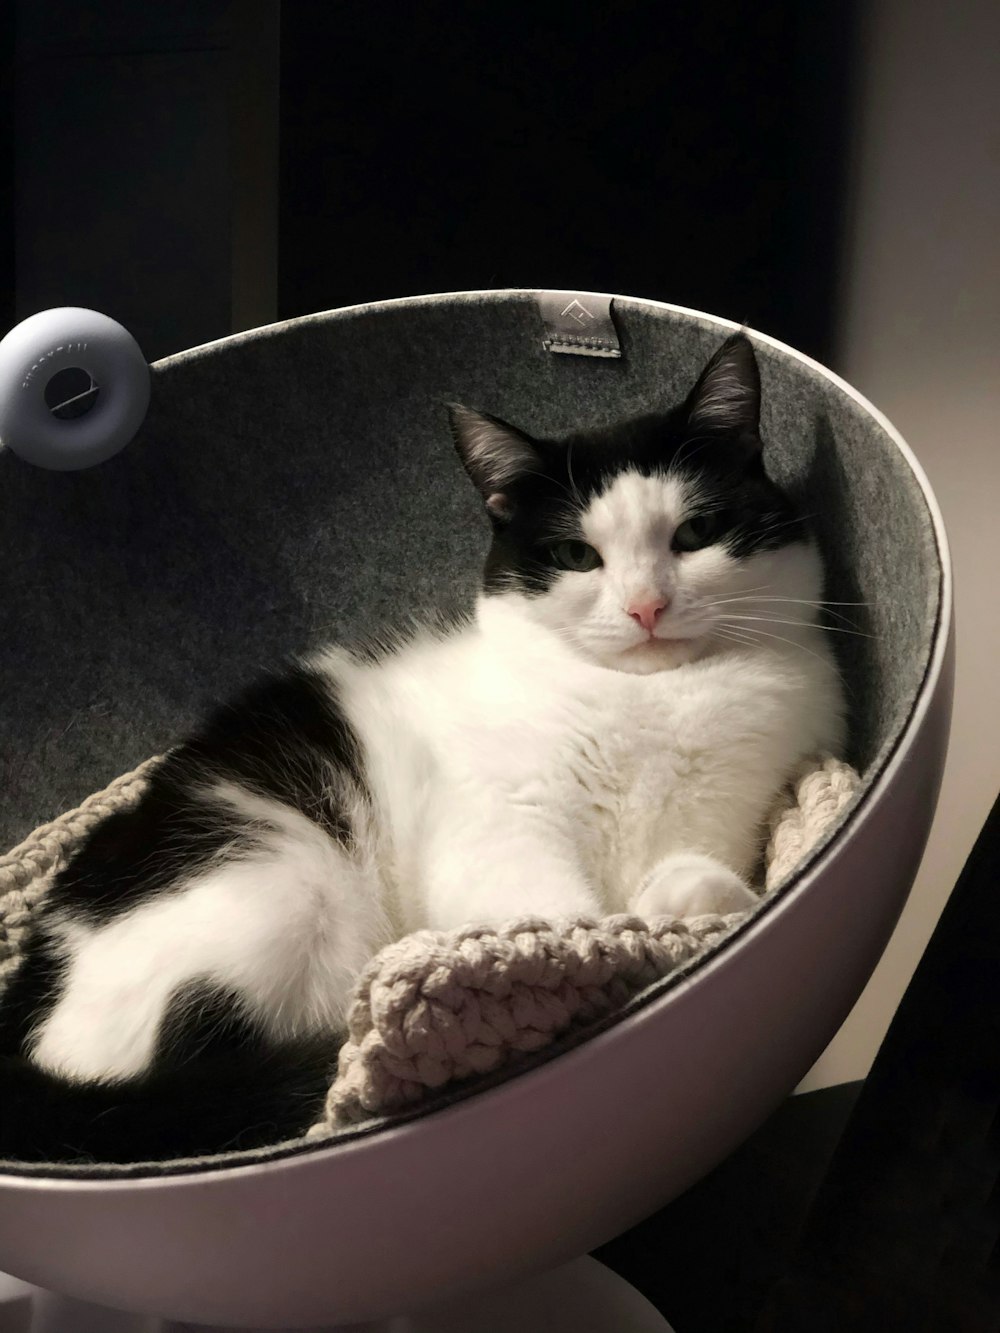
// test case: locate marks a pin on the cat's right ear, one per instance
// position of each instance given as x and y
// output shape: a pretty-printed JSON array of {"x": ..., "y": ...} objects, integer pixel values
[
  {"x": 727, "y": 395},
  {"x": 493, "y": 453}
]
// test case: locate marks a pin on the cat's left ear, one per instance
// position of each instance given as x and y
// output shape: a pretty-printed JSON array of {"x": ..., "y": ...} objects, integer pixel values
[
  {"x": 726, "y": 398},
  {"x": 493, "y": 453}
]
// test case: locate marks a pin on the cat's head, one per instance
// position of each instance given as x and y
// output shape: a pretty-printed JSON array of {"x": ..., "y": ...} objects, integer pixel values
[{"x": 647, "y": 543}]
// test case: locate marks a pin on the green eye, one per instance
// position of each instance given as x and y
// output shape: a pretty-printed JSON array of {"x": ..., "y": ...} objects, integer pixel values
[
  {"x": 698, "y": 531},
  {"x": 577, "y": 556}
]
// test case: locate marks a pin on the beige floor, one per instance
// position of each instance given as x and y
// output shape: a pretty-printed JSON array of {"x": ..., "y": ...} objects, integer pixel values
[{"x": 921, "y": 338}]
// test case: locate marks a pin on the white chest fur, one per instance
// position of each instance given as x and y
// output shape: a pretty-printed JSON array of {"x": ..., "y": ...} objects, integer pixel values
[{"x": 511, "y": 776}]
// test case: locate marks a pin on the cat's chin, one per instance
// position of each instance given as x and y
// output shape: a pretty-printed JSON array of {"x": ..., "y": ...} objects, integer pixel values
[{"x": 645, "y": 659}]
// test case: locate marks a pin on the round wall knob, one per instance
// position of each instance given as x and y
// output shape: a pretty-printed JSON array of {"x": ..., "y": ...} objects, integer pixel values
[{"x": 74, "y": 388}]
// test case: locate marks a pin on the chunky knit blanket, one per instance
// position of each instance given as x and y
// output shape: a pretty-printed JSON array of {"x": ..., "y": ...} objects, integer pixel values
[{"x": 440, "y": 1008}]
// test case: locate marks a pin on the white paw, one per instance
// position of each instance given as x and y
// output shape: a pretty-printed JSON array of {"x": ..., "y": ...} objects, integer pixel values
[{"x": 690, "y": 884}]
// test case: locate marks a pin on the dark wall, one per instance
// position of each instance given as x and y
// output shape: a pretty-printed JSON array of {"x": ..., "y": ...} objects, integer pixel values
[
  {"x": 121, "y": 185},
  {"x": 6, "y": 166},
  {"x": 690, "y": 153},
  {"x": 145, "y": 163}
]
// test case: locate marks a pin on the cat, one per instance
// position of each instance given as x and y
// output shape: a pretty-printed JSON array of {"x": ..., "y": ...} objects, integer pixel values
[{"x": 643, "y": 671}]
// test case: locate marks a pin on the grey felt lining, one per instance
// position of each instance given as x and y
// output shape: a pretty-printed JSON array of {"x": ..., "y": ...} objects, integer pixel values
[{"x": 296, "y": 484}]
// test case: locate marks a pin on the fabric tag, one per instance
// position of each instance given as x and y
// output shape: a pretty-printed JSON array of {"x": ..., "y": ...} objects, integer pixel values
[{"x": 578, "y": 323}]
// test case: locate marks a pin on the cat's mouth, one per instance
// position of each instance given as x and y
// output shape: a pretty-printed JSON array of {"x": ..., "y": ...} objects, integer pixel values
[
  {"x": 667, "y": 636},
  {"x": 660, "y": 652}
]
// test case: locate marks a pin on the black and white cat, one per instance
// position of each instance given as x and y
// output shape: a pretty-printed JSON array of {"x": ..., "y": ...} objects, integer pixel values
[{"x": 643, "y": 670}]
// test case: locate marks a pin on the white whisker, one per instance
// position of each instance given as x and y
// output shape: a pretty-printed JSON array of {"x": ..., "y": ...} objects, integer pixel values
[
  {"x": 792, "y": 644},
  {"x": 797, "y": 601},
  {"x": 731, "y": 635},
  {"x": 773, "y": 620},
  {"x": 572, "y": 481},
  {"x": 743, "y": 597}
]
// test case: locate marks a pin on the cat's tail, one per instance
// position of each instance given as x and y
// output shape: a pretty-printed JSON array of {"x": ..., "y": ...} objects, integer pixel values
[{"x": 238, "y": 1099}]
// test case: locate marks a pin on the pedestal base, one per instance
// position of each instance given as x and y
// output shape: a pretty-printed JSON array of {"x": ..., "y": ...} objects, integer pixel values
[{"x": 580, "y": 1297}]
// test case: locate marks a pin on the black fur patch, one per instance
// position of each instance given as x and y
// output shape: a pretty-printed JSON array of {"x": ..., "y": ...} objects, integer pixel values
[
  {"x": 215, "y": 1085},
  {"x": 283, "y": 738},
  {"x": 28, "y": 996},
  {"x": 244, "y": 1096}
]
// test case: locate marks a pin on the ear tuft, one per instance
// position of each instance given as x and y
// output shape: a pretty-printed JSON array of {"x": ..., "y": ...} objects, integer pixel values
[
  {"x": 726, "y": 397},
  {"x": 493, "y": 453}
]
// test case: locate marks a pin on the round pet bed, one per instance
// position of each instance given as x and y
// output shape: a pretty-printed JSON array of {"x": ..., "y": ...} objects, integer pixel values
[{"x": 285, "y": 482}]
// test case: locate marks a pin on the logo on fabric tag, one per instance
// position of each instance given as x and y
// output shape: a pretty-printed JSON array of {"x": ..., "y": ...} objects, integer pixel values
[{"x": 580, "y": 324}]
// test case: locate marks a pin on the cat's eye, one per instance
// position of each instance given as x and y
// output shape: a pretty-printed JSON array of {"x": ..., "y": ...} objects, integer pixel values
[
  {"x": 577, "y": 556},
  {"x": 698, "y": 531}
]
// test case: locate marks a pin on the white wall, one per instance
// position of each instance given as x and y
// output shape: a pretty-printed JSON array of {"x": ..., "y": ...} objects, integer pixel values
[{"x": 921, "y": 337}]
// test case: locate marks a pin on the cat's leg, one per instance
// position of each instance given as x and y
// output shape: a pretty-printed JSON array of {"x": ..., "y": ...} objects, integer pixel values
[
  {"x": 246, "y": 870},
  {"x": 283, "y": 930},
  {"x": 493, "y": 869},
  {"x": 690, "y": 884}
]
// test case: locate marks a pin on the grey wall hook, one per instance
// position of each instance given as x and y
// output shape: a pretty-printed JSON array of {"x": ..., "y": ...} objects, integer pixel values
[{"x": 69, "y": 337}]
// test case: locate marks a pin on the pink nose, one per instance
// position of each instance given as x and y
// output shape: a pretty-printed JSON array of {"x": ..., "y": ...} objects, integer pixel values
[{"x": 647, "y": 613}]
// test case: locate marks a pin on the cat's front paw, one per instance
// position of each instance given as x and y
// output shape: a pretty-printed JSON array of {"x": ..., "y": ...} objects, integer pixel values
[{"x": 690, "y": 884}]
